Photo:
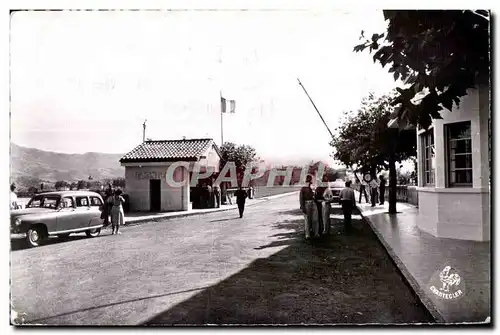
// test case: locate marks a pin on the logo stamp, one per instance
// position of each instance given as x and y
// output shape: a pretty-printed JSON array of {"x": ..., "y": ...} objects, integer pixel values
[{"x": 447, "y": 284}]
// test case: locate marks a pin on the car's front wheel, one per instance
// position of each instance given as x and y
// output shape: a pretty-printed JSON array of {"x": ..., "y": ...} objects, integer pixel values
[
  {"x": 35, "y": 236},
  {"x": 93, "y": 232}
]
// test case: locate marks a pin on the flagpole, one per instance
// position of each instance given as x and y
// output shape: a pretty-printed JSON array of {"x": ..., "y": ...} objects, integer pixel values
[{"x": 221, "y": 121}]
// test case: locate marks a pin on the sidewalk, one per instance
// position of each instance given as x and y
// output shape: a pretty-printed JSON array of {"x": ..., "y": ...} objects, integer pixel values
[
  {"x": 419, "y": 256},
  {"x": 139, "y": 217}
]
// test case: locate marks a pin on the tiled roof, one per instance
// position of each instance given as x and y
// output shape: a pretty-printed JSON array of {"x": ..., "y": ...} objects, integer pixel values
[{"x": 169, "y": 150}]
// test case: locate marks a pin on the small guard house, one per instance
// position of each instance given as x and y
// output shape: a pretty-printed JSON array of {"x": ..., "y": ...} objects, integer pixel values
[{"x": 146, "y": 172}]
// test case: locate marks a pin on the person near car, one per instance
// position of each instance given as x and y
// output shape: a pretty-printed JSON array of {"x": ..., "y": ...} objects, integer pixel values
[
  {"x": 117, "y": 213},
  {"x": 382, "y": 189},
  {"x": 241, "y": 196},
  {"x": 13, "y": 197},
  {"x": 106, "y": 207},
  {"x": 373, "y": 191},
  {"x": 348, "y": 201}
]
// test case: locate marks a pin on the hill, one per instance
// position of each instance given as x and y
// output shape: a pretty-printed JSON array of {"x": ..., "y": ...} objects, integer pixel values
[{"x": 31, "y": 166}]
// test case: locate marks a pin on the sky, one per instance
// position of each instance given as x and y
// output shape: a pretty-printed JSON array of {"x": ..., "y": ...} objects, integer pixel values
[{"x": 86, "y": 81}]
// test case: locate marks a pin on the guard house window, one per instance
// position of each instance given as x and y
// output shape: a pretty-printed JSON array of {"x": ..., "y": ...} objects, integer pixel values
[
  {"x": 428, "y": 157},
  {"x": 459, "y": 154}
]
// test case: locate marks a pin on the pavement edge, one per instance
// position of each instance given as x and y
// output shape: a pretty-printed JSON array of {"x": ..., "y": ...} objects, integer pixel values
[{"x": 426, "y": 302}]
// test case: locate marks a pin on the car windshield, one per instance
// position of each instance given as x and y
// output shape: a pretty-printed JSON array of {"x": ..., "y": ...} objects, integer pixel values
[{"x": 40, "y": 201}]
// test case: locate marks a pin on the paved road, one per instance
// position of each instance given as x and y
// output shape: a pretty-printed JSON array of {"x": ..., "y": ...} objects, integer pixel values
[{"x": 154, "y": 268}]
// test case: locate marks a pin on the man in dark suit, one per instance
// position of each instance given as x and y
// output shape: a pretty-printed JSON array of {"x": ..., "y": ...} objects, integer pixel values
[
  {"x": 382, "y": 189},
  {"x": 241, "y": 196}
]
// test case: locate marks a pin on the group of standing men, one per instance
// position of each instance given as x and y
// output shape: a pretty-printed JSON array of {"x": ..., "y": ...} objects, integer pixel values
[
  {"x": 320, "y": 200},
  {"x": 315, "y": 204},
  {"x": 374, "y": 188}
]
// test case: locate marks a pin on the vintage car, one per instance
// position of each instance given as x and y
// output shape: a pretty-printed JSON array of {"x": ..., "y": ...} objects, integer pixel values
[
  {"x": 335, "y": 187},
  {"x": 57, "y": 214}
]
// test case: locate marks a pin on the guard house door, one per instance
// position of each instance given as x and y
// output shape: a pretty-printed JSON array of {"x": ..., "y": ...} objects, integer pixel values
[{"x": 155, "y": 195}]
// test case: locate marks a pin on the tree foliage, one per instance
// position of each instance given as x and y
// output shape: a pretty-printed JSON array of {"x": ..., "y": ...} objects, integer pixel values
[
  {"x": 82, "y": 184},
  {"x": 241, "y": 155},
  {"x": 438, "y": 54},
  {"x": 118, "y": 182},
  {"x": 61, "y": 184},
  {"x": 364, "y": 140}
]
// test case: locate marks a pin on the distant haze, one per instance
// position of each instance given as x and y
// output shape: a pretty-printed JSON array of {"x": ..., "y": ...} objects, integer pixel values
[{"x": 86, "y": 81}]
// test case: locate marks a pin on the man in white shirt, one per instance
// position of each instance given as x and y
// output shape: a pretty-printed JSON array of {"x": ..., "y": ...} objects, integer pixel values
[
  {"x": 348, "y": 201},
  {"x": 13, "y": 197}
]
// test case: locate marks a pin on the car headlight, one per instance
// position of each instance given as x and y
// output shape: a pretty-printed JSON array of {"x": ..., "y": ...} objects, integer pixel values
[{"x": 17, "y": 222}]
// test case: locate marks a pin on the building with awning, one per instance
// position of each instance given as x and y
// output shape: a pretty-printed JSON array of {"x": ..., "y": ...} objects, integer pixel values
[
  {"x": 146, "y": 169},
  {"x": 454, "y": 169}
]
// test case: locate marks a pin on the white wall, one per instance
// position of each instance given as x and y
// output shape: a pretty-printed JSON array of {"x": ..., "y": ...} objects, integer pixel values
[
  {"x": 461, "y": 213},
  {"x": 212, "y": 159},
  {"x": 137, "y": 187}
]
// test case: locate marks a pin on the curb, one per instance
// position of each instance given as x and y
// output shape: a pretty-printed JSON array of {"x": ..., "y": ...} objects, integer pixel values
[
  {"x": 281, "y": 195},
  {"x": 185, "y": 214},
  {"x": 417, "y": 289}
]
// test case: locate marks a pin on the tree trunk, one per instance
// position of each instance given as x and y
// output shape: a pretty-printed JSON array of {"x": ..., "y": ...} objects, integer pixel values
[{"x": 392, "y": 182}]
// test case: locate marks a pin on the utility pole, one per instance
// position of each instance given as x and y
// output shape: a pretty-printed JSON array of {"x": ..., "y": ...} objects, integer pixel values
[
  {"x": 144, "y": 131},
  {"x": 315, "y": 107}
]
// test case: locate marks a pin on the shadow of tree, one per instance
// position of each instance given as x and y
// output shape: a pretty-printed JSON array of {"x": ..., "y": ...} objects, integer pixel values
[
  {"x": 19, "y": 244},
  {"x": 228, "y": 219},
  {"x": 297, "y": 211},
  {"x": 334, "y": 280}
]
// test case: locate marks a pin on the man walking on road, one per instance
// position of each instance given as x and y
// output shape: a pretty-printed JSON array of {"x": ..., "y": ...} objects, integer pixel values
[
  {"x": 241, "y": 196},
  {"x": 348, "y": 201}
]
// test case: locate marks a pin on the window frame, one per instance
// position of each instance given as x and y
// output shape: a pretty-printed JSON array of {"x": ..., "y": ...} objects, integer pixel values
[
  {"x": 51, "y": 197},
  {"x": 447, "y": 131},
  {"x": 95, "y": 197},
  {"x": 72, "y": 201},
  {"x": 428, "y": 170},
  {"x": 82, "y": 197}
]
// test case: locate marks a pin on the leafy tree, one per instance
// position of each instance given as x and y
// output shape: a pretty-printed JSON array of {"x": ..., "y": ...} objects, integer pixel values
[
  {"x": 82, "y": 184},
  {"x": 241, "y": 155},
  {"x": 365, "y": 143},
  {"x": 440, "y": 53},
  {"x": 95, "y": 184},
  {"x": 119, "y": 182},
  {"x": 61, "y": 184}
]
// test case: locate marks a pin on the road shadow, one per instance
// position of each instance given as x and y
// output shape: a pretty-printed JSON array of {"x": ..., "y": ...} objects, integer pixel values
[
  {"x": 338, "y": 279},
  {"x": 297, "y": 212},
  {"x": 42, "y": 320},
  {"x": 227, "y": 219},
  {"x": 16, "y": 244}
]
